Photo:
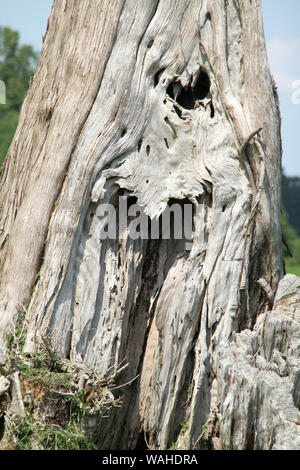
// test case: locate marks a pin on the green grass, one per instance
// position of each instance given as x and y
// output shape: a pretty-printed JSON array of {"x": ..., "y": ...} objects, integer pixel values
[
  {"x": 70, "y": 438},
  {"x": 57, "y": 380},
  {"x": 51, "y": 437},
  {"x": 23, "y": 432}
]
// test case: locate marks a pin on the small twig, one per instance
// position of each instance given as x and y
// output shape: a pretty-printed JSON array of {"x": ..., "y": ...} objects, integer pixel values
[
  {"x": 118, "y": 371},
  {"x": 63, "y": 394},
  {"x": 127, "y": 383}
]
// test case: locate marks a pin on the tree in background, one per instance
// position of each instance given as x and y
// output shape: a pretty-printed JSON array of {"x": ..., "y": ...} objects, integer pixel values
[
  {"x": 291, "y": 200},
  {"x": 17, "y": 65},
  {"x": 291, "y": 245}
]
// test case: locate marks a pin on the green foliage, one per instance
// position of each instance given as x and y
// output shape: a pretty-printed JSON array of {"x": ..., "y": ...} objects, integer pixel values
[
  {"x": 23, "y": 432},
  {"x": 77, "y": 407},
  {"x": 46, "y": 355},
  {"x": 15, "y": 340},
  {"x": 70, "y": 438},
  {"x": 51, "y": 436},
  {"x": 51, "y": 380},
  {"x": 17, "y": 66},
  {"x": 292, "y": 269},
  {"x": 292, "y": 240},
  {"x": 58, "y": 406},
  {"x": 184, "y": 425}
]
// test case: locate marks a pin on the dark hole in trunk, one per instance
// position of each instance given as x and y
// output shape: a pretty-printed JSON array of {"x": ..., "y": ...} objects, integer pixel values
[
  {"x": 170, "y": 91},
  {"x": 188, "y": 96},
  {"x": 202, "y": 86}
]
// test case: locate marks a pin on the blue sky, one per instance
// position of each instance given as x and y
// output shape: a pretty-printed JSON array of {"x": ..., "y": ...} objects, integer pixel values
[
  {"x": 29, "y": 17},
  {"x": 282, "y": 32}
]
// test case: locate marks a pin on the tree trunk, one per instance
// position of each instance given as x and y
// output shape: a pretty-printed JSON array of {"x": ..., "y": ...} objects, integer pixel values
[{"x": 159, "y": 102}]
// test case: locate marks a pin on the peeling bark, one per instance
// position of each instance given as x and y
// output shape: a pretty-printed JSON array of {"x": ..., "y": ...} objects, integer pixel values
[{"x": 154, "y": 102}]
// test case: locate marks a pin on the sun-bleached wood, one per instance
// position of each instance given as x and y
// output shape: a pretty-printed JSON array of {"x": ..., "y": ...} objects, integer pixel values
[{"x": 103, "y": 118}]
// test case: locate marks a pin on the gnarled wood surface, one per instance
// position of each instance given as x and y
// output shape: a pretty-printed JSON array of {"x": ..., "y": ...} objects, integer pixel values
[{"x": 157, "y": 101}]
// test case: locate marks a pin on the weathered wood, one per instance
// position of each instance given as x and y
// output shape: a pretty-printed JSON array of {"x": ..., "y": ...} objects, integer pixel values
[
  {"x": 159, "y": 101},
  {"x": 258, "y": 378}
]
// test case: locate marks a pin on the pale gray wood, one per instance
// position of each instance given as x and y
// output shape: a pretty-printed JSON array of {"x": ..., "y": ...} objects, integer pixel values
[{"x": 95, "y": 121}]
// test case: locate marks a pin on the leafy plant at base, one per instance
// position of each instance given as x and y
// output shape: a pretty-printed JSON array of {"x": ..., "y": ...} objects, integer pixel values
[
  {"x": 15, "y": 339},
  {"x": 23, "y": 432},
  {"x": 70, "y": 438}
]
